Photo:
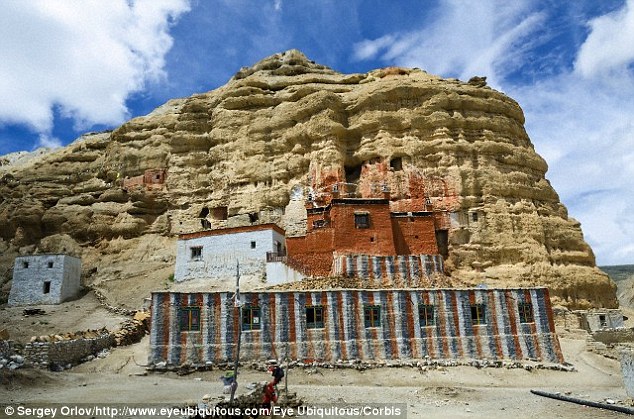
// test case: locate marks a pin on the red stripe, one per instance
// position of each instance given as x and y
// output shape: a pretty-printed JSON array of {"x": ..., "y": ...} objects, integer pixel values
[{"x": 510, "y": 308}]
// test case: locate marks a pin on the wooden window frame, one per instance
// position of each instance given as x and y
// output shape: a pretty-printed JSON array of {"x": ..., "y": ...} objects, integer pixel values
[
  {"x": 317, "y": 313},
  {"x": 372, "y": 315},
  {"x": 189, "y": 319},
  {"x": 525, "y": 311},
  {"x": 478, "y": 314},
  {"x": 248, "y": 316},
  {"x": 427, "y": 315}
]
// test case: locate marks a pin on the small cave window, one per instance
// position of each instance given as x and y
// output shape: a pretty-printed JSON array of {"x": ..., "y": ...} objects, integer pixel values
[
  {"x": 362, "y": 220},
  {"x": 47, "y": 287},
  {"x": 50, "y": 264},
  {"x": 526, "y": 312},
  {"x": 474, "y": 217},
  {"x": 203, "y": 213},
  {"x": 196, "y": 253},
  {"x": 253, "y": 217},
  {"x": 219, "y": 213},
  {"x": 353, "y": 173},
  {"x": 397, "y": 164},
  {"x": 206, "y": 224}
]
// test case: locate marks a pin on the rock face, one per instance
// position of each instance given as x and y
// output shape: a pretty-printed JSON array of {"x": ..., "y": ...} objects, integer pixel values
[{"x": 248, "y": 151}]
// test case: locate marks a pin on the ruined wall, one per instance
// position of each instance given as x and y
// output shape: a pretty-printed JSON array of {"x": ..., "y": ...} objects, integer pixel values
[
  {"x": 398, "y": 333},
  {"x": 45, "y": 279}
]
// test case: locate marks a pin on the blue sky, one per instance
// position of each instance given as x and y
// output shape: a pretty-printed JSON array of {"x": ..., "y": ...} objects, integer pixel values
[{"x": 70, "y": 66}]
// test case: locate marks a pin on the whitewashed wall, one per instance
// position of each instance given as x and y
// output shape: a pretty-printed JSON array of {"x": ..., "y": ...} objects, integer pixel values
[
  {"x": 28, "y": 282},
  {"x": 221, "y": 252}
]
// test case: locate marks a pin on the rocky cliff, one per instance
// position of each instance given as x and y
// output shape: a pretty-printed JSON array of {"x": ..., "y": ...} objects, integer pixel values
[{"x": 248, "y": 151}]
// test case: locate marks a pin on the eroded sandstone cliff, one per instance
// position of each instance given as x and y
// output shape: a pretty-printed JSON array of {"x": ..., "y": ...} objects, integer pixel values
[{"x": 238, "y": 154}]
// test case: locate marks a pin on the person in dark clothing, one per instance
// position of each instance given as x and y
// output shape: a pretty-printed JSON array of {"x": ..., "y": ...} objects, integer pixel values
[{"x": 276, "y": 371}]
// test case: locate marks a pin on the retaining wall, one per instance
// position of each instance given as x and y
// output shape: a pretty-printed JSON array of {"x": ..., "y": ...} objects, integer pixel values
[{"x": 46, "y": 354}]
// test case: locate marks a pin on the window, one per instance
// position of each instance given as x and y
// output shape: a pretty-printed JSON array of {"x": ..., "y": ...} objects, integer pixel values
[
  {"x": 197, "y": 253},
  {"x": 526, "y": 312},
  {"x": 602, "y": 320},
  {"x": 477, "y": 314},
  {"x": 253, "y": 217},
  {"x": 314, "y": 317},
  {"x": 319, "y": 223},
  {"x": 50, "y": 264},
  {"x": 189, "y": 319},
  {"x": 251, "y": 318},
  {"x": 397, "y": 164},
  {"x": 474, "y": 217},
  {"x": 25, "y": 264},
  {"x": 426, "y": 315},
  {"x": 372, "y": 316},
  {"x": 362, "y": 220},
  {"x": 253, "y": 245},
  {"x": 47, "y": 287}
]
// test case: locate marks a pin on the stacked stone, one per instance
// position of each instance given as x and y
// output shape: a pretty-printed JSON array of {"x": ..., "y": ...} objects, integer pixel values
[
  {"x": 103, "y": 301},
  {"x": 62, "y": 351},
  {"x": 132, "y": 331}
]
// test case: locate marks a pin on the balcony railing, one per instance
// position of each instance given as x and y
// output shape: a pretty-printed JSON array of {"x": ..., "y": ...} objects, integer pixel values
[{"x": 276, "y": 257}]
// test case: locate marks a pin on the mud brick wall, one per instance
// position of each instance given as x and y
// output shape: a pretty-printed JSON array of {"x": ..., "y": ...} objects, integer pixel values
[
  {"x": 46, "y": 354},
  {"x": 344, "y": 335},
  {"x": 390, "y": 271}
]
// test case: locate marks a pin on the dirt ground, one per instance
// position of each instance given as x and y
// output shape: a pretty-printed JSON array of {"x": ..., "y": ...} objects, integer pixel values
[{"x": 450, "y": 392}]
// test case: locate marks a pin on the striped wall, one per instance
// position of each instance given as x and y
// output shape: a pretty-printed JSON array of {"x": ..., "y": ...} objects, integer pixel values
[
  {"x": 345, "y": 336},
  {"x": 394, "y": 271}
]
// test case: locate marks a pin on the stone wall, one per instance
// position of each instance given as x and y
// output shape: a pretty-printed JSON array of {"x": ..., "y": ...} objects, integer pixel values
[
  {"x": 342, "y": 333},
  {"x": 627, "y": 368},
  {"x": 63, "y": 352}
]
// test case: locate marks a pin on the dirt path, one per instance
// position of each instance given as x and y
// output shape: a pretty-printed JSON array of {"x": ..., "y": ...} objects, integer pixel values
[{"x": 438, "y": 393}]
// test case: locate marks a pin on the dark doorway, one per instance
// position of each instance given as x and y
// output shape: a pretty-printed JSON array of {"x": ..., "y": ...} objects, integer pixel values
[
  {"x": 353, "y": 173},
  {"x": 47, "y": 287},
  {"x": 442, "y": 240}
]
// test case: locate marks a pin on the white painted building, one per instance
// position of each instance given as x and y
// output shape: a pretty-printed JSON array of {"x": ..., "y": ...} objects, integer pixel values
[
  {"x": 45, "y": 279},
  {"x": 213, "y": 254}
]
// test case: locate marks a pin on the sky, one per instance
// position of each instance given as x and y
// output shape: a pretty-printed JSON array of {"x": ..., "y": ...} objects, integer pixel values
[{"x": 68, "y": 67}]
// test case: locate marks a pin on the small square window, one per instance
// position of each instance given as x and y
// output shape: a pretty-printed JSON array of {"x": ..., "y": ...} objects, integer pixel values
[
  {"x": 189, "y": 318},
  {"x": 47, "y": 287},
  {"x": 477, "y": 314},
  {"x": 426, "y": 315},
  {"x": 314, "y": 317},
  {"x": 25, "y": 264},
  {"x": 251, "y": 318},
  {"x": 197, "y": 253},
  {"x": 50, "y": 264},
  {"x": 319, "y": 223},
  {"x": 253, "y": 244},
  {"x": 603, "y": 322},
  {"x": 526, "y": 312},
  {"x": 362, "y": 220},
  {"x": 372, "y": 316},
  {"x": 474, "y": 217}
]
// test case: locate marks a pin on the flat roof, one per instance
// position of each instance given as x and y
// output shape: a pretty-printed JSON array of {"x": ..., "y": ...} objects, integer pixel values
[
  {"x": 231, "y": 230},
  {"x": 269, "y": 291}
]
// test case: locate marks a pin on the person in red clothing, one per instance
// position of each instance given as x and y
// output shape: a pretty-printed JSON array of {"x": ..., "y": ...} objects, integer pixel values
[{"x": 269, "y": 397}]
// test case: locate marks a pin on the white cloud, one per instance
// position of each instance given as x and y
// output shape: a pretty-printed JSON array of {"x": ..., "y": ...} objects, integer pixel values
[
  {"x": 610, "y": 45},
  {"x": 48, "y": 141},
  {"x": 85, "y": 57},
  {"x": 464, "y": 40},
  {"x": 581, "y": 120}
]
